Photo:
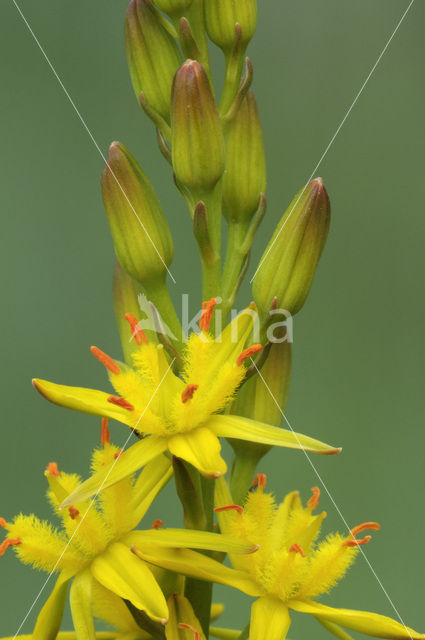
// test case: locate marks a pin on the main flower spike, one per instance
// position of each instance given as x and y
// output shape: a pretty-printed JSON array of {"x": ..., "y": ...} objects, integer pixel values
[
  {"x": 289, "y": 569},
  {"x": 93, "y": 548},
  {"x": 179, "y": 414}
]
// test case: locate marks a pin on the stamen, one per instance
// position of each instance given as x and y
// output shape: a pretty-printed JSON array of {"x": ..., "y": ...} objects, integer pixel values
[
  {"x": 373, "y": 526},
  {"x": 105, "y": 360},
  {"x": 73, "y": 513},
  {"x": 188, "y": 392},
  {"x": 3, "y": 523},
  {"x": 207, "y": 311},
  {"x": 296, "y": 548},
  {"x": 157, "y": 524},
  {"x": 121, "y": 402},
  {"x": 230, "y": 507},
  {"x": 118, "y": 454},
  {"x": 137, "y": 333},
  {"x": 52, "y": 470},
  {"x": 9, "y": 542},
  {"x": 260, "y": 481},
  {"x": 255, "y": 348},
  {"x": 196, "y": 634},
  {"x": 356, "y": 543},
  {"x": 105, "y": 436},
  {"x": 313, "y": 502}
]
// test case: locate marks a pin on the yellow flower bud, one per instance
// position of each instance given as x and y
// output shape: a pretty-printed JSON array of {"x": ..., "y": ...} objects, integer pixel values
[
  {"x": 221, "y": 17},
  {"x": 287, "y": 268},
  {"x": 140, "y": 232}
]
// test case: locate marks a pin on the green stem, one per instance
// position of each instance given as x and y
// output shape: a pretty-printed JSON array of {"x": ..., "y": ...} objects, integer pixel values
[
  {"x": 234, "y": 67},
  {"x": 157, "y": 292},
  {"x": 211, "y": 271},
  {"x": 235, "y": 257},
  {"x": 244, "y": 466}
]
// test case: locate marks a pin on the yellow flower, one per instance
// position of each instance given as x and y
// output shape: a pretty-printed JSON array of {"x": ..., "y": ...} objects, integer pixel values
[
  {"x": 179, "y": 414},
  {"x": 93, "y": 547},
  {"x": 289, "y": 569}
]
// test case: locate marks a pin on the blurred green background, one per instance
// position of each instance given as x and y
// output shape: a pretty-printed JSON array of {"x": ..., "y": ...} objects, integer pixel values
[{"x": 359, "y": 349}]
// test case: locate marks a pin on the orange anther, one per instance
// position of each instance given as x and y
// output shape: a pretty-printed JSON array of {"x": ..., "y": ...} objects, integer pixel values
[
  {"x": 260, "y": 481},
  {"x": 157, "y": 524},
  {"x": 105, "y": 360},
  {"x": 73, "y": 513},
  {"x": 121, "y": 402},
  {"x": 3, "y": 523},
  {"x": 137, "y": 332},
  {"x": 230, "y": 507},
  {"x": 196, "y": 634},
  {"x": 313, "y": 502},
  {"x": 296, "y": 548},
  {"x": 105, "y": 436},
  {"x": 206, "y": 315},
  {"x": 9, "y": 542},
  {"x": 118, "y": 454},
  {"x": 356, "y": 543},
  {"x": 373, "y": 526},
  {"x": 248, "y": 353},
  {"x": 52, "y": 470},
  {"x": 188, "y": 392}
]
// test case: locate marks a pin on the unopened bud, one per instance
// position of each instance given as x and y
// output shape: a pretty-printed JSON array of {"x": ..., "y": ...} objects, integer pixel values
[
  {"x": 245, "y": 177},
  {"x": 197, "y": 139},
  {"x": 140, "y": 232},
  {"x": 221, "y": 17},
  {"x": 287, "y": 267},
  {"x": 152, "y": 54},
  {"x": 173, "y": 8}
]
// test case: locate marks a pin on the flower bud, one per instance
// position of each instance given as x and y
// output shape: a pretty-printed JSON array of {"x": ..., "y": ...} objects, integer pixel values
[
  {"x": 197, "y": 139},
  {"x": 173, "y": 8},
  {"x": 287, "y": 267},
  {"x": 221, "y": 17},
  {"x": 140, "y": 232},
  {"x": 245, "y": 177},
  {"x": 152, "y": 54}
]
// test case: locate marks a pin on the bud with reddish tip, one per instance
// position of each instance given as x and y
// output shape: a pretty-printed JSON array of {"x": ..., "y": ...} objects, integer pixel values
[
  {"x": 221, "y": 17},
  {"x": 152, "y": 54},
  {"x": 287, "y": 268},
  {"x": 140, "y": 232},
  {"x": 197, "y": 139},
  {"x": 245, "y": 177}
]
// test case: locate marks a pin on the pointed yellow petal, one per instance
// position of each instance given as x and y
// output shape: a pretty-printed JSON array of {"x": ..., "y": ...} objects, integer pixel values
[
  {"x": 269, "y": 618},
  {"x": 84, "y": 400},
  {"x": 119, "y": 570},
  {"x": 245, "y": 429},
  {"x": 126, "y": 464},
  {"x": 334, "y": 629},
  {"x": 371, "y": 624},
  {"x": 181, "y": 612},
  {"x": 195, "y": 565},
  {"x": 201, "y": 448},
  {"x": 224, "y": 634},
  {"x": 80, "y": 596},
  {"x": 112, "y": 609},
  {"x": 189, "y": 539},
  {"x": 149, "y": 483},
  {"x": 217, "y": 609},
  {"x": 50, "y": 617}
]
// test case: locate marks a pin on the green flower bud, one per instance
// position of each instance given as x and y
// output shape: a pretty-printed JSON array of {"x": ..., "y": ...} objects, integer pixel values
[
  {"x": 152, "y": 54},
  {"x": 140, "y": 232},
  {"x": 173, "y": 8},
  {"x": 245, "y": 177},
  {"x": 197, "y": 138},
  {"x": 221, "y": 17},
  {"x": 287, "y": 268}
]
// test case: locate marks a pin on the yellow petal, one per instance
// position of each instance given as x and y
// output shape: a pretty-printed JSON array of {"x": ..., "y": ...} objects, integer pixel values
[
  {"x": 81, "y": 610},
  {"x": 224, "y": 634},
  {"x": 269, "y": 618},
  {"x": 334, "y": 629},
  {"x": 201, "y": 448},
  {"x": 189, "y": 539},
  {"x": 119, "y": 570},
  {"x": 181, "y": 612},
  {"x": 153, "y": 477},
  {"x": 128, "y": 463},
  {"x": 195, "y": 565},
  {"x": 84, "y": 400},
  {"x": 50, "y": 617},
  {"x": 245, "y": 429},
  {"x": 111, "y": 609},
  {"x": 371, "y": 624}
]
